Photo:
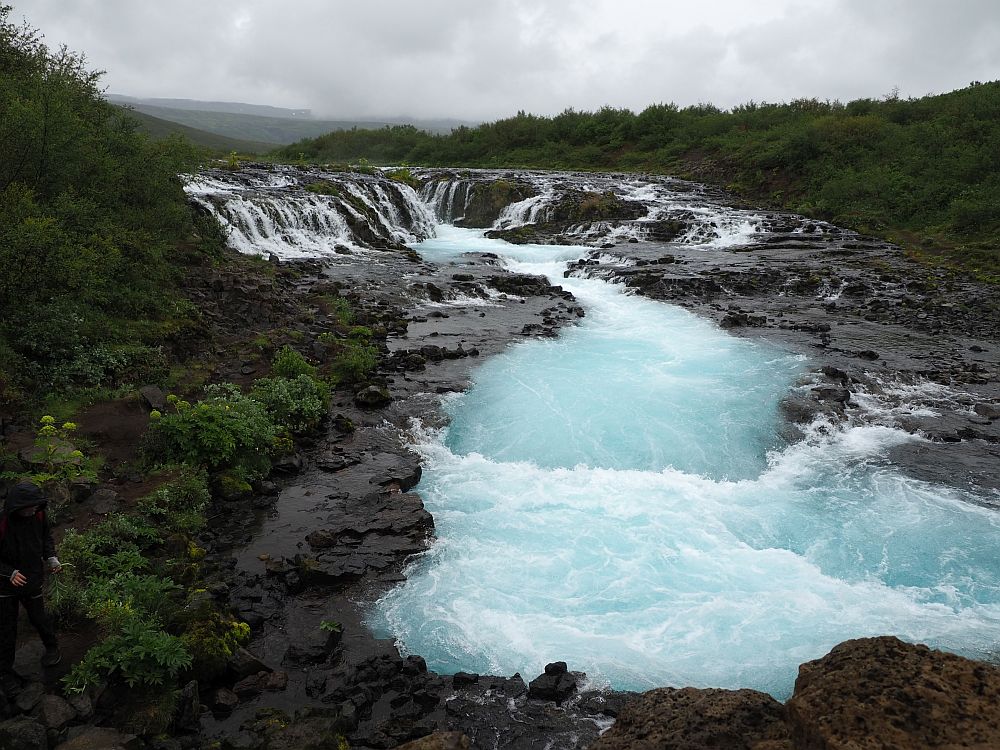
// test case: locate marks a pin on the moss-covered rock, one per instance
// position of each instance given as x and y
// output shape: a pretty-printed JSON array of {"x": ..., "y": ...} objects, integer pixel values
[{"x": 487, "y": 200}]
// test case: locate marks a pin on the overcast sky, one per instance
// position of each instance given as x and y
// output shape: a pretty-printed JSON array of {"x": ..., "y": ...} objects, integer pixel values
[{"x": 483, "y": 59}]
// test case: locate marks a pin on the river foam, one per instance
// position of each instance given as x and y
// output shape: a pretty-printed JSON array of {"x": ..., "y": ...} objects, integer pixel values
[{"x": 620, "y": 498}]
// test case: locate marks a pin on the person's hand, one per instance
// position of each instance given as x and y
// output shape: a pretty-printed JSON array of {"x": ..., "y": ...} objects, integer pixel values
[
  {"x": 54, "y": 565},
  {"x": 18, "y": 578}
]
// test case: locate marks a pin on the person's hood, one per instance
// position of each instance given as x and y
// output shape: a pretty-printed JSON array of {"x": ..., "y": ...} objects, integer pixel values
[{"x": 23, "y": 495}]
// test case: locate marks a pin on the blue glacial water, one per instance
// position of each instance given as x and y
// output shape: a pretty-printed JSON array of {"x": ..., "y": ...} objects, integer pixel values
[{"x": 619, "y": 498}]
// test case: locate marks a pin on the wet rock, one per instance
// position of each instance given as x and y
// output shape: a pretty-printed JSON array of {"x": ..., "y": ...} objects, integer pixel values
[
  {"x": 54, "y": 712},
  {"x": 692, "y": 719},
  {"x": 439, "y": 741},
  {"x": 187, "y": 712},
  {"x": 311, "y": 729},
  {"x": 884, "y": 693},
  {"x": 223, "y": 701},
  {"x": 464, "y": 679},
  {"x": 556, "y": 684},
  {"x": 29, "y": 696},
  {"x": 249, "y": 687},
  {"x": 289, "y": 464},
  {"x": 243, "y": 664},
  {"x": 99, "y": 738},
  {"x": 23, "y": 733},
  {"x": 831, "y": 394},
  {"x": 372, "y": 397},
  {"x": 988, "y": 411},
  {"x": 869, "y": 354},
  {"x": 153, "y": 397}
]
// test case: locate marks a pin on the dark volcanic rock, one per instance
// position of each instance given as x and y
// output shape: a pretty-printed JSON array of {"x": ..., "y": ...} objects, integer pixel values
[
  {"x": 22, "y": 733},
  {"x": 883, "y": 693},
  {"x": 692, "y": 719},
  {"x": 556, "y": 684},
  {"x": 372, "y": 397},
  {"x": 439, "y": 741}
]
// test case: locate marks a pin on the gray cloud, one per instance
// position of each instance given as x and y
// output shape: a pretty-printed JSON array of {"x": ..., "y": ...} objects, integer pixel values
[{"x": 491, "y": 58}]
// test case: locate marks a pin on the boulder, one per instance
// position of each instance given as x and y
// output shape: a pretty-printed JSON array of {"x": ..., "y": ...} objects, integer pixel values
[
  {"x": 556, "y": 684},
  {"x": 244, "y": 664},
  {"x": 693, "y": 719},
  {"x": 372, "y": 397},
  {"x": 54, "y": 712},
  {"x": 223, "y": 701},
  {"x": 153, "y": 397},
  {"x": 883, "y": 693},
  {"x": 29, "y": 696},
  {"x": 23, "y": 733}
]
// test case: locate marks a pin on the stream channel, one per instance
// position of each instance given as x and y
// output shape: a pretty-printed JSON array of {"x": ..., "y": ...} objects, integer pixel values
[{"x": 620, "y": 498}]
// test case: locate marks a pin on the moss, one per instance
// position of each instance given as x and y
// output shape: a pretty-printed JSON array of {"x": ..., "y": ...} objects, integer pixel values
[
  {"x": 212, "y": 638},
  {"x": 323, "y": 187}
]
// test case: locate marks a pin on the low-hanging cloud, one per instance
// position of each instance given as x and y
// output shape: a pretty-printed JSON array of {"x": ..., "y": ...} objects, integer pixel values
[{"x": 481, "y": 60}]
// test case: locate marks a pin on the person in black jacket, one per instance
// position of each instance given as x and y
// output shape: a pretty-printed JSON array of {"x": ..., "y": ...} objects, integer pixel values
[{"x": 26, "y": 550}]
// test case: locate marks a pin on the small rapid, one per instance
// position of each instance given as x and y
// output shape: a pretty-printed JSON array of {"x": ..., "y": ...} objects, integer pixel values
[{"x": 621, "y": 498}]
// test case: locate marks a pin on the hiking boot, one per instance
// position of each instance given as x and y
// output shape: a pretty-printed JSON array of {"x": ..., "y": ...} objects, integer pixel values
[{"x": 52, "y": 656}]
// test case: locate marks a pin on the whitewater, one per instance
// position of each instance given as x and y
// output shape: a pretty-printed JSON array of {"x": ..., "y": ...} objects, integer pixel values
[{"x": 621, "y": 498}]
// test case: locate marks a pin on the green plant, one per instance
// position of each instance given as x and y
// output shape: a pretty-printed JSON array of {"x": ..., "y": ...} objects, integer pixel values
[
  {"x": 330, "y": 626},
  {"x": 141, "y": 654},
  {"x": 288, "y": 363},
  {"x": 56, "y": 455},
  {"x": 323, "y": 187},
  {"x": 356, "y": 361},
  {"x": 297, "y": 404},
  {"x": 361, "y": 333},
  {"x": 340, "y": 309},
  {"x": 404, "y": 175},
  {"x": 178, "y": 505},
  {"x": 233, "y": 161},
  {"x": 225, "y": 430}
]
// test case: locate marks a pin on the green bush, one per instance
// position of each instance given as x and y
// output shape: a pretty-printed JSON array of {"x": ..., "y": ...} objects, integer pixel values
[
  {"x": 224, "y": 431},
  {"x": 179, "y": 505},
  {"x": 141, "y": 654},
  {"x": 106, "y": 578},
  {"x": 288, "y": 363},
  {"x": 356, "y": 361},
  {"x": 297, "y": 404}
]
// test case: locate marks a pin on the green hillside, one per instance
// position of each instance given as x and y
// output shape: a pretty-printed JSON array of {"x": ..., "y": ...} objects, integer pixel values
[
  {"x": 274, "y": 130},
  {"x": 158, "y": 129}
]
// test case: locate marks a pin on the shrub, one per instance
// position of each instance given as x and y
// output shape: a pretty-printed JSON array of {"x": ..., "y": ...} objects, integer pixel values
[
  {"x": 141, "y": 654},
  {"x": 225, "y": 430},
  {"x": 297, "y": 404},
  {"x": 288, "y": 363},
  {"x": 356, "y": 361},
  {"x": 178, "y": 505}
]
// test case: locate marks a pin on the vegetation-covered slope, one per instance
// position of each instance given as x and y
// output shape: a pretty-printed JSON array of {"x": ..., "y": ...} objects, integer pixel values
[
  {"x": 925, "y": 172},
  {"x": 93, "y": 212},
  {"x": 158, "y": 129}
]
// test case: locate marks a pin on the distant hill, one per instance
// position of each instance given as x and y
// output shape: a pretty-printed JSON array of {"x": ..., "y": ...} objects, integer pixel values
[
  {"x": 262, "y": 123},
  {"x": 156, "y": 129},
  {"x": 237, "y": 108}
]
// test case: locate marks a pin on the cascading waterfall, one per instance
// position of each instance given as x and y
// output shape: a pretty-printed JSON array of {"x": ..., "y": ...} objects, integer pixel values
[{"x": 273, "y": 211}]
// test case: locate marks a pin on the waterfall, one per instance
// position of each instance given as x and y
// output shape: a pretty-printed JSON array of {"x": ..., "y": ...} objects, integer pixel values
[{"x": 298, "y": 213}]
